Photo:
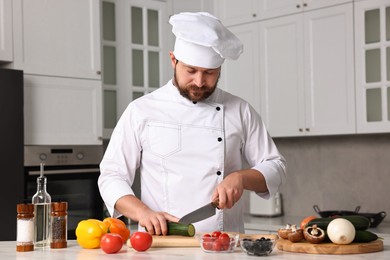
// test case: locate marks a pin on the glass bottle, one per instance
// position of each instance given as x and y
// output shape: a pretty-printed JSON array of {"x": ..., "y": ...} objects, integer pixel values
[
  {"x": 41, "y": 201},
  {"x": 58, "y": 224},
  {"x": 25, "y": 227}
]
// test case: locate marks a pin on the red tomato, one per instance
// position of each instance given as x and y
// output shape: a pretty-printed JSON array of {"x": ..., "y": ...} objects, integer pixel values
[
  {"x": 111, "y": 243},
  {"x": 141, "y": 241},
  {"x": 218, "y": 246},
  {"x": 207, "y": 242},
  {"x": 216, "y": 234},
  {"x": 224, "y": 240}
]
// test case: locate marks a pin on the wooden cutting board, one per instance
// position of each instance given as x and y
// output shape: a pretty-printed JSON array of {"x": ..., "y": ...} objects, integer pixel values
[
  {"x": 330, "y": 248},
  {"x": 181, "y": 241}
]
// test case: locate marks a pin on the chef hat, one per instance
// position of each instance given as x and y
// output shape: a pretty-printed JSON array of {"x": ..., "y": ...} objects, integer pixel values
[{"x": 202, "y": 40}]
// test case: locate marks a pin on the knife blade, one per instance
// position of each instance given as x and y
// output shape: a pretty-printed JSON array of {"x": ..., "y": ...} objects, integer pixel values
[{"x": 199, "y": 214}]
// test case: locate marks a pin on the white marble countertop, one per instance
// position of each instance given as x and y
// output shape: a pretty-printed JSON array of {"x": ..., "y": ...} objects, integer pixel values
[
  {"x": 74, "y": 251},
  {"x": 255, "y": 224}
]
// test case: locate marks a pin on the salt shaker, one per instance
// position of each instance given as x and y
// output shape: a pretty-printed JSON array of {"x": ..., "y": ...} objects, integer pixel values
[
  {"x": 58, "y": 224},
  {"x": 25, "y": 227}
]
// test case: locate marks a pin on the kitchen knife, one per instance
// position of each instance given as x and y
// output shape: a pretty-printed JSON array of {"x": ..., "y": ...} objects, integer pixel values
[{"x": 202, "y": 213}]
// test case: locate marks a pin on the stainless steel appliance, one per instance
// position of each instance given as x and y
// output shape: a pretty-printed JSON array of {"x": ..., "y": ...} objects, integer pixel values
[
  {"x": 11, "y": 152},
  {"x": 272, "y": 207},
  {"x": 72, "y": 173}
]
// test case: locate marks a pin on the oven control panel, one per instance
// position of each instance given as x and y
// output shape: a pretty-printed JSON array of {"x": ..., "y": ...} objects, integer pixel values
[{"x": 62, "y": 155}]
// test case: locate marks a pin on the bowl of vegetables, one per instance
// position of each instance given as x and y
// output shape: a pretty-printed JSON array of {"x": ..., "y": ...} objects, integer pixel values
[
  {"x": 257, "y": 247},
  {"x": 218, "y": 242}
]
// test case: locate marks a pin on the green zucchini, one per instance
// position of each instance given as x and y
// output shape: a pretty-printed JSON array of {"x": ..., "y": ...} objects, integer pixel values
[
  {"x": 181, "y": 229},
  {"x": 364, "y": 236},
  {"x": 359, "y": 222}
]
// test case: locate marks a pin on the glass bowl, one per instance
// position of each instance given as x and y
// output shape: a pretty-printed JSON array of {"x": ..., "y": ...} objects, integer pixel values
[
  {"x": 217, "y": 245},
  {"x": 257, "y": 247}
]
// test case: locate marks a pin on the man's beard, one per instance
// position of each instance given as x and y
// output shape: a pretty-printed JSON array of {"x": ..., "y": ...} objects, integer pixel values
[{"x": 193, "y": 92}]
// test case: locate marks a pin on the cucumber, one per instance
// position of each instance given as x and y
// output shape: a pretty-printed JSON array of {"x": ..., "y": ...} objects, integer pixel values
[
  {"x": 181, "y": 229},
  {"x": 359, "y": 222},
  {"x": 364, "y": 236}
]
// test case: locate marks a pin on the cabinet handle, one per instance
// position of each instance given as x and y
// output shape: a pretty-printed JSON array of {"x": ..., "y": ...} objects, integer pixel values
[
  {"x": 305, "y": 4},
  {"x": 298, "y": 6},
  {"x": 300, "y": 130},
  {"x": 307, "y": 129},
  {"x": 254, "y": 15},
  {"x": 98, "y": 72}
]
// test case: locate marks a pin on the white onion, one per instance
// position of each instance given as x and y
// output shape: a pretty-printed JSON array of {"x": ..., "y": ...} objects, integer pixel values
[{"x": 341, "y": 231}]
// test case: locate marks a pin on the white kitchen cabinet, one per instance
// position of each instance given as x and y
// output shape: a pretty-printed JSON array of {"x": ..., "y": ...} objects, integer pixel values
[
  {"x": 6, "y": 48},
  {"x": 135, "y": 53},
  {"x": 62, "y": 111},
  {"x": 240, "y": 77},
  {"x": 244, "y": 11},
  {"x": 306, "y": 71},
  {"x": 192, "y": 6},
  {"x": 274, "y": 8},
  {"x": 372, "y": 47},
  {"x": 237, "y": 12},
  {"x": 57, "y": 38}
]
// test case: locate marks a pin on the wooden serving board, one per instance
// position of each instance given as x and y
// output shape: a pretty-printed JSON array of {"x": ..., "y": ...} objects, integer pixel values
[
  {"x": 181, "y": 241},
  {"x": 329, "y": 248}
]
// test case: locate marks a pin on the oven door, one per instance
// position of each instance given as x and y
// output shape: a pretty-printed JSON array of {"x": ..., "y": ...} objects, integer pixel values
[{"x": 76, "y": 185}]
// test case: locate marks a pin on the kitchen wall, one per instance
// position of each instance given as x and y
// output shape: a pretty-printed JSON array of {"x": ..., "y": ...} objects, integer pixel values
[{"x": 336, "y": 173}]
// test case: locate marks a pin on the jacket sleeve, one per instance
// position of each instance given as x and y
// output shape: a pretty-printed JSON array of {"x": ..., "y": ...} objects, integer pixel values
[
  {"x": 261, "y": 152},
  {"x": 119, "y": 164}
]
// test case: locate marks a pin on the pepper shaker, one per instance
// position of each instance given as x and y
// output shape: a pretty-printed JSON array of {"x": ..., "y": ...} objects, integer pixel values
[
  {"x": 58, "y": 224},
  {"x": 25, "y": 227}
]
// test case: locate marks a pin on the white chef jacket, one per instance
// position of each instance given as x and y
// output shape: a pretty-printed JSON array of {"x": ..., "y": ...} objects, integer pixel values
[{"x": 183, "y": 150}]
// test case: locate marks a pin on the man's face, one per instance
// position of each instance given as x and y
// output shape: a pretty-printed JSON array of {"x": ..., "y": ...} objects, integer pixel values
[{"x": 195, "y": 83}]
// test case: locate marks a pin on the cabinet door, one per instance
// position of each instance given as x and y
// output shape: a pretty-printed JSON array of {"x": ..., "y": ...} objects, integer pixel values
[
  {"x": 135, "y": 53},
  {"x": 281, "y": 66},
  {"x": 192, "y": 6},
  {"x": 240, "y": 77},
  {"x": 58, "y": 38},
  {"x": 274, "y": 8},
  {"x": 6, "y": 49},
  {"x": 62, "y": 111},
  {"x": 372, "y": 39},
  {"x": 315, "y": 4},
  {"x": 237, "y": 12},
  {"x": 329, "y": 73}
]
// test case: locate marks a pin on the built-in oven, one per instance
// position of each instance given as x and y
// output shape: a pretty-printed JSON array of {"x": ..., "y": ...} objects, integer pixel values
[{"x": 72, "y": 173}]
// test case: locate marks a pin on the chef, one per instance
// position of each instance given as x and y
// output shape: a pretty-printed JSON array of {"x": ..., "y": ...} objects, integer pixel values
[{"x": 191, "y": 142}]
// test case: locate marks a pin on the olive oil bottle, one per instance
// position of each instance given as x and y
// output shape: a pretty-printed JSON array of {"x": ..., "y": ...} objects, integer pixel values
[{"x": 42, "y": 202}]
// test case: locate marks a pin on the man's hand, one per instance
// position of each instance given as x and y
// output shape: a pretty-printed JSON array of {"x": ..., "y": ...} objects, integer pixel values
[
  {"x": 154, "y": 222},
  {"x": 229, "y": 191}
]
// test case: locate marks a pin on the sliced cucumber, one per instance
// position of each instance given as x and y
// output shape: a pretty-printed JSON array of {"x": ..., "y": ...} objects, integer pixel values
[{"x": 181, "y": 229}]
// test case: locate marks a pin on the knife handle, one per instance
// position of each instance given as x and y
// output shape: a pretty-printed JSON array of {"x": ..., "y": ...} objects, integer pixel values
[{"x": 215, "y": 203}]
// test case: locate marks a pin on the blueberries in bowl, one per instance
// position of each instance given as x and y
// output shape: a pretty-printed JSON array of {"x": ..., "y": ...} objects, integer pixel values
[{"x": 258, "y": 247}]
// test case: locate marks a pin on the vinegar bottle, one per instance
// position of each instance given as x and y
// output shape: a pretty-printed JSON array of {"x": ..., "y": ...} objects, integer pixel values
[{"x": 41, "y": 201}]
